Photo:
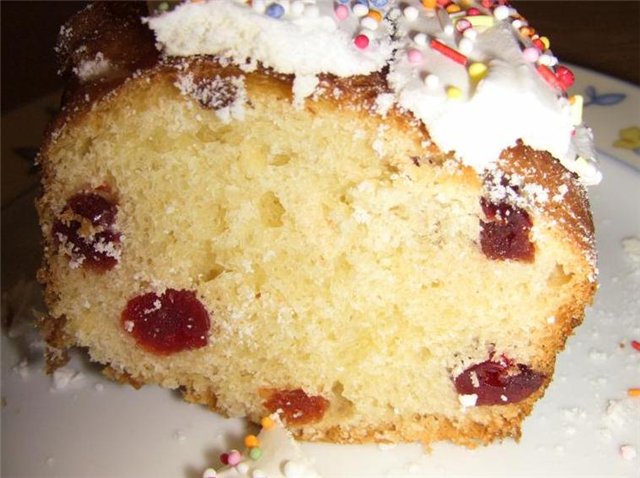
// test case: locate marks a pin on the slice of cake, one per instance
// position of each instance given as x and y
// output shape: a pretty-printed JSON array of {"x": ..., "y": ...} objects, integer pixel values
[{"x": 370, "y": 217}]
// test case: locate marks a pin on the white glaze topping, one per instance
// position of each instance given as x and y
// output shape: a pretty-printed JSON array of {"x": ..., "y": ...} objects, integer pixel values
[
  {"x": 281, "y": 457},
  {"x": 517, "y": 93}
]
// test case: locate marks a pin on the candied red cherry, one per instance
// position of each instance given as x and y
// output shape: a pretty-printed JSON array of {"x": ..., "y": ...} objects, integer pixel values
[
  {"x": 85, "y": 229},
  {"x": 168, "y": 323},
  {"x": 505, "y": 234},
  {"x": 297, "y": 407},
  {"x": 498, "y": 382}
]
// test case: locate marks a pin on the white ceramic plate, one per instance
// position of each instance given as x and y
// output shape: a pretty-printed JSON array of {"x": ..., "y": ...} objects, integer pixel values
[{"x": 95, "y": 428}]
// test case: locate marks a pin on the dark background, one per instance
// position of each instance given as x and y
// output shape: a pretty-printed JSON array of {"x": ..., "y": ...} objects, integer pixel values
[{"x": 601, "y": 35}]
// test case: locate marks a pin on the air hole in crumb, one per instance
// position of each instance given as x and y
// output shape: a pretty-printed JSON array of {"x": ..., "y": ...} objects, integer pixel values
[
  {"x": 341, "y": 405},
  {"x": 279, "y": 159},
  {"x": 271, "y": 210},
  {"x": 213, "y": 273},
  {"x": 559, "y": 277}
]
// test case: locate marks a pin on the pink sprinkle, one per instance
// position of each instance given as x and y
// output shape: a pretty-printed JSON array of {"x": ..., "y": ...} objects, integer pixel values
[
  {"x": 414, "y": 56},
  {"x": 234, "y": 457},
  {"x": 472, "y": 12},
  {"x": 531, "y": 54},
  {"x": 361, "y": 41},
  {"x": 341, "y": 12},
  {"x": 462, "y": 25}
]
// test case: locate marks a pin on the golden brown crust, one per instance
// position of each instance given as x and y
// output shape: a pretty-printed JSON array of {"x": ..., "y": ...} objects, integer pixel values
[{"x": 571, "y": 210}]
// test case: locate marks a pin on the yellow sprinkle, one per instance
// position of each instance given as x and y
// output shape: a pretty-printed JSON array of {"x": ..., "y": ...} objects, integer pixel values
[
  {"x": 251, "y": 441},
  {"x": 527, "y": 31},
  {"x": 454, "y": 92},
  {"x": 545, "y": 41},
  {"x": 576, "y": 103},
  {"x": 453, "y": 8},
  {"x": 267, "y": 423},
  {"x": 480, "y": 20},
  {"x": 477, "y": 71},
  {"x": 375, "y": 14},
  {"x": 633, "y": 392},
  {"x": 430, "y": 4}
]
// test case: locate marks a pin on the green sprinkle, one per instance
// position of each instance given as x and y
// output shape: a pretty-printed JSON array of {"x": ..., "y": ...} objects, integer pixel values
[{"x": 255, "y": 453}]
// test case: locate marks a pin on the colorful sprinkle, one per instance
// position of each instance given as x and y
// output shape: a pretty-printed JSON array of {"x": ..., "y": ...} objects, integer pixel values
[
  {"x": 209, "y": 473},
  {"x": 463, "y": 24},
  {"x": 242, "y": 468},
  {"x": 421, "y": 39},
  {"x": 481, "y": 21},
  {"x": 233, "y": 458},
  {"x": 275, "y": 10},
  {"x": 341, "y": 12},
  {"x": 549, "y": 76},
  {"x": 410, "y": 13},
  {"x": 255, "y": 453},
  {"x": 369, "y": 23},
  {"x": 432, "y": 81},
  {"x": 633, "y": 392},
  {"x": 565, "y": 76},
  {"x": 375, "y": 14},
  {"x": 531, "y": 54},
  {"x": 267, "y": 423},
  {"x": 501, "y": 13},
  {"x": 473, "y": 11},
  {"x": 636, "y": 345},
  {"x": 477, "y": 71},
  {"x": 378, "y": 3},
  {"x": 361, "y": 41},
  {"x": 251, "y": 441},
  {"x": 429, "y": 4},
  {"x": 452, "y": 8},
  {"x": 360, "y": 9},
  {"x": 414, "y": 56},
  {"x": 576, "y": 102},
  {"x": 448, "y": 52},
  {"x": 545, "y": 41},
  {"x": 454, "y": 93},
  {"x": 465, "y": 45}
]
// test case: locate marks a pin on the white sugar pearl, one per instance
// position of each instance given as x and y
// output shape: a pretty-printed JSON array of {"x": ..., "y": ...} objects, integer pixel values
[
  {"x": 209, "y": 473},
  {"x": 369, "y": 23},
  {"x": 501, "y": 12},
  {"x": 432, "y": 81},
  {"x": 470, "y": 33},
  {"x": 410, "y": 13},
  {"x": 465, "y": 46},
  {"x": 421, "y": 39},
  {"x": 360, "y": 10}
]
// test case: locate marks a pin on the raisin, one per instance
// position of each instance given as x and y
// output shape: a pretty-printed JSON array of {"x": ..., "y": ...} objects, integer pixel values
[
  {"x": 86, "y": 230},
  {"x": 166, "y": 324},
  {"x": 498, "y": 382},
  {"x": 505, "y": 234},
  {"x": 297, "y": 407}
]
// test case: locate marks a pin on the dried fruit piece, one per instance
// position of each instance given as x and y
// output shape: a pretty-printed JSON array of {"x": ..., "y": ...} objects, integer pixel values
[
  {"x": 166, "y": 324},
  {"x": 297, "y": 407},
  {"x": 85, "y": 229},
  {"x": 505, "y": 234},
  {"x": 498, "y": 382}
]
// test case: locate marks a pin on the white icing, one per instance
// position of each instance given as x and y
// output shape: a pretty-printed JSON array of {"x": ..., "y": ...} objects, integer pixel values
[
  {"x": 302, "y": 45},
  {"x": 511, "y": 102},
  {"x": 281, "y": 457}
]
